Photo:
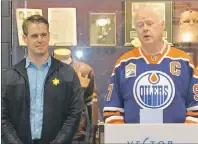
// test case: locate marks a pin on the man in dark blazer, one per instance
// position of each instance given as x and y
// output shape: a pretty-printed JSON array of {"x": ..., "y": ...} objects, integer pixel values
[{"x": 42, "y": 99}]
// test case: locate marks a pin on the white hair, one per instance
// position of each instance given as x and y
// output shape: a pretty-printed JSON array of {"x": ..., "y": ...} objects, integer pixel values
[{"x": 150, "y": 8}]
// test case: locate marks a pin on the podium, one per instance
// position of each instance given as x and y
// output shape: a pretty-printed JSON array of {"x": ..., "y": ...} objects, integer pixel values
[{"x": 149, "y": 134}]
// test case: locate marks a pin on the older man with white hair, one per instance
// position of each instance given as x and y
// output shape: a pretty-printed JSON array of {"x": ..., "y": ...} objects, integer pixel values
[{"x": 154, "y": 83}]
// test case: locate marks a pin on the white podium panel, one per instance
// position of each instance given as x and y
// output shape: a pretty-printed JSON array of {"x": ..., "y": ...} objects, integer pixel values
[{"x": 151, "y": 134}]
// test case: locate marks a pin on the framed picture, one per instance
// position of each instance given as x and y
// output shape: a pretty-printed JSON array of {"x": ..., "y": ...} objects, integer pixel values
[
  {"x": 102, "y": 29},
  {"x": 163, "y": 7},
  {"x": 180, "y": 7},
  {"x": 62, "y": 28}
]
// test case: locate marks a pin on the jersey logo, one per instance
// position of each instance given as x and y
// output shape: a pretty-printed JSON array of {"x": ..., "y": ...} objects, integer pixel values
[
  {"x": 130, "y": 70},
  {"x": 175, "y": 67},
  {"x": 154, "y": 89},
  {"x": 153, "y": 58}
]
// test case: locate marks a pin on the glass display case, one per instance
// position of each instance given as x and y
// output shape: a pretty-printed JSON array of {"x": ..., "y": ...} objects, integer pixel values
[
  {"x": 100, "y": 31},
  {"x": 71, "y": 23}
]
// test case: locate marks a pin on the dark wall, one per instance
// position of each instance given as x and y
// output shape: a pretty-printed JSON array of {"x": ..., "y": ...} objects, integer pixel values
[{"x": 6, "y": 36}]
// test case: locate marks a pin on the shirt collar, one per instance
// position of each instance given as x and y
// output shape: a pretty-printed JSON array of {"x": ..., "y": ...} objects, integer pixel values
[{"x": 28, "y": 62}]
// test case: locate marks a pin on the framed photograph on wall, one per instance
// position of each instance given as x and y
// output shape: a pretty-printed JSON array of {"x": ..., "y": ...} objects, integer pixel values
[
  {"x": 102, "y": 29},
  {"x": 62, "y": 28},
  {"x": 163, "y": 7}
]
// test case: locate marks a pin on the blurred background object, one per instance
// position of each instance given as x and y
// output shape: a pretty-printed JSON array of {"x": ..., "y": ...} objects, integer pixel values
[{"x": 188, "y": 26}]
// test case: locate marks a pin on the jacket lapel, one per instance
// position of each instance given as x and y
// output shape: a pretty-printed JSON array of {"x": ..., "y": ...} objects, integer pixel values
[
  {"x": 20, "y": 67},
  {"x": 55, "y": 64}
]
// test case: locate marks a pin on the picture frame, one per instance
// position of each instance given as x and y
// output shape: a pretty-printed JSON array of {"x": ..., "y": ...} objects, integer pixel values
[
  {"x": 102, "y": 29},
  {"x": 180, "y": 7},
  {"x": 164, "y": 7},
  {"x": 63, "y": 26}
]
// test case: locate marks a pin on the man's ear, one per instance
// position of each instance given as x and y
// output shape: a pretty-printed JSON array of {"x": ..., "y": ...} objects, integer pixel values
[{"x": 25, "y": 38}]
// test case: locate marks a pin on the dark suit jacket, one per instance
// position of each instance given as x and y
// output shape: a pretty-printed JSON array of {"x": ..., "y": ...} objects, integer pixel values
[{"x": 62, "y": 109}]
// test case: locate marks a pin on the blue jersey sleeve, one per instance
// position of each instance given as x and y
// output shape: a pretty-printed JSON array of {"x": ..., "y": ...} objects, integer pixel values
[
  {"x": 192, "y": 100},
  {"x": 113, "y": 104}
]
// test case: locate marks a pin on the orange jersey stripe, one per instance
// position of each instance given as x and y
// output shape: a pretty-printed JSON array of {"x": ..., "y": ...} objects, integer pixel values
[
  {"x": 115, "y": 121},
  {"x": 156, "y": 59},
  {"x": 106, "y": 114},
  {"x": 177, "y": 53},
  {"x": 134, "y": 53},
  {"x": 190, "y": 113},
  {"x": 190, "y": 122}
]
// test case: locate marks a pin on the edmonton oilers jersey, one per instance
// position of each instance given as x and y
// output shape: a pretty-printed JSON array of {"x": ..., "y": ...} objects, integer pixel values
[{"x": 167, "y": 81}]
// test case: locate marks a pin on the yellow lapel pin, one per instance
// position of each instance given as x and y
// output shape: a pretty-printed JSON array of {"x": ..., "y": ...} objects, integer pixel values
[{"x": 55, "y": 81}]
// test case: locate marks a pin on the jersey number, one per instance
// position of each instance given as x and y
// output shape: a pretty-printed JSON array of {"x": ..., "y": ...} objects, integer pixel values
[
  {"x": 195, "y": 91},
  {"x": 110, "y": 89}
]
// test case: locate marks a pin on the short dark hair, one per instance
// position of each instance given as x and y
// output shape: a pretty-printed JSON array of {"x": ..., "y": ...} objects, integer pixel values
[{"x": 33, "y": 19}]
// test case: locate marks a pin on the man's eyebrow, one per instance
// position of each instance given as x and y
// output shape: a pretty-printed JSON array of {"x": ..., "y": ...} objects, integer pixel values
[
  {"x": 145, "y": 21},
  {"x": 140, "y": 21},
  {"x": 39, "y": 33},
  {"x": 34, "y": 34}
]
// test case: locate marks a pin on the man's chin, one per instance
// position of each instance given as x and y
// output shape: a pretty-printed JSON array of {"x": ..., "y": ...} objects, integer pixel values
[
  {"x": 148, "y": 42},
  {"x": 41, "y": 53}
]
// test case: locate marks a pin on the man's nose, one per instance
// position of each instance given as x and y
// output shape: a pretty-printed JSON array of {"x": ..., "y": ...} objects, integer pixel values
[
  {"x": 191, "y": 22},
  {"x": 145, "y": 27},
  {"x": 40, "y": 38}
]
